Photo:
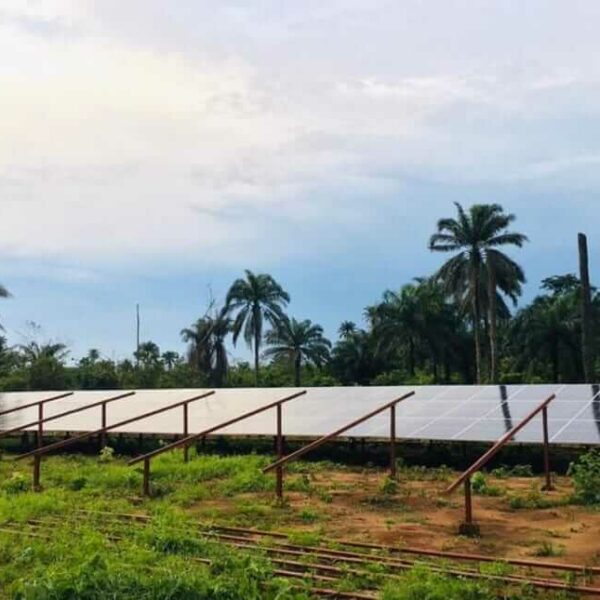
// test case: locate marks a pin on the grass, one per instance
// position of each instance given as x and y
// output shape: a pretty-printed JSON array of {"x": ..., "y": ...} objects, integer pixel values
[{"x": 100, "y": 557}]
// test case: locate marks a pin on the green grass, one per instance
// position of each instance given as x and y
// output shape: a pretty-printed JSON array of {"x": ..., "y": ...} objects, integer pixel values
[{"x": 94, "y": 556}]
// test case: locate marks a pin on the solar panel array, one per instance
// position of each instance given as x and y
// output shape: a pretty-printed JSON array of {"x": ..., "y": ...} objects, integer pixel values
[{"x": 449, "y": 413}]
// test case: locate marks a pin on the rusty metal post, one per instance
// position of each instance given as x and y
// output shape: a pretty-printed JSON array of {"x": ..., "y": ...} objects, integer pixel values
[
  {"x": 468, "y": 502},
  {"x": 37, "y": 463},
  {"x": 548, "y": 485},
  {"x": 279, "y": 470},
  {"x": 103, "y": 434},
  {"x": 393, "y": 469},
  {"x": 147, "y": 477},
  {"x": 186, "y": 449},
  {"x": 40, "y": 430},
  {"x": 468, "y": 527}
]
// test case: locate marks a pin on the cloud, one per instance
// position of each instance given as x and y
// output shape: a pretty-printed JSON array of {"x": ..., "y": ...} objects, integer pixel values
[{"x": 220, "y": 135}]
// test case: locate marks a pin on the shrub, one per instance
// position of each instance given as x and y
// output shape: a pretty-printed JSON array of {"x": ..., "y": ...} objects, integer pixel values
[
  {"x": 516, "y": 471},
  {"x": 585, "y": 473},
  {"x": 546, "y": 549},
  {"x": 389, "y": 487},
  {"x": 106, "y": 454},
  {"x": 16, "y": 484},
  {"x": 480, "y": 486}
]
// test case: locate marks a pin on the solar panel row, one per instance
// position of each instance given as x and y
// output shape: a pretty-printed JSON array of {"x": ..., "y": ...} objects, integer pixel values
[{"x": 461, "y": 413}]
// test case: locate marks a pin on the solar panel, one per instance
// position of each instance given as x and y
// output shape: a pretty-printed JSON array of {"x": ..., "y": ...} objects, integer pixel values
[{"x": 445, "y": 413}]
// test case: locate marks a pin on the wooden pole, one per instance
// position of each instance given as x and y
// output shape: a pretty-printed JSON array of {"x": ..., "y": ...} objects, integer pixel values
[
  {"x": 393, "y": 469},
  {"x": 587, "y": 342}
]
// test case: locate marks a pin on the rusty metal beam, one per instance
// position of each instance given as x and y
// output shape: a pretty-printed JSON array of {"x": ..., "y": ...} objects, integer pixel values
[
  {"x": 507, "y": 437},
  {"x": 88, "y": 434},
  {"x": 322, "y": 440},
  {"x": 190, "y": 438},
  {"x": 36, "y": 403},
  {"x": 41, "y": 420}
]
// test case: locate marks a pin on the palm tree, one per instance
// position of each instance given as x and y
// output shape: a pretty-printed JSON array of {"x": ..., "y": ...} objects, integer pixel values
[
  {"x": 33, "y": 351},
  {"x": 478, "y": 265},
  {"x": 255, "y": 299},
  {"x": 346, "y": 329},
  {"x": 298, "y": 341},
  {"x": 170, "y": 358},
  {"x": 353, "y": 360},
  {"x": 415, "y": 319},
  {"x": 548, "y": 331},
  {"x": 207, "y": 350}
]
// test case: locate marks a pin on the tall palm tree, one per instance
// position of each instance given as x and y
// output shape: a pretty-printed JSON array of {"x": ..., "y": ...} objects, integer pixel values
[
  {"x": 298, "y": 341},
  {"x": 478, "y": 265},
  {"x": 207, "y": 350},
  {"x": 170, "y": 358},
  {"x": 346, "y": 329},
  {"x": 254, "y": 300}
]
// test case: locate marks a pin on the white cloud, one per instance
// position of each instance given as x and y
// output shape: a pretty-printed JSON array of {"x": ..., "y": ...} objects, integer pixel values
[{"x": 221, "y": 134}]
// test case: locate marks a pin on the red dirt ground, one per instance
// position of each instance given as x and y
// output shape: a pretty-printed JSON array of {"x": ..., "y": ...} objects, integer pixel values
[{"x": 349, "y": 504}]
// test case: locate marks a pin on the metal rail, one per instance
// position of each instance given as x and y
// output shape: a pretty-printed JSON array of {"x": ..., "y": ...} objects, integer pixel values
[
  {"x": 40, "y": 422},
  {"x": 328, "y": 558},
  {"x": 187, "y": 440},
  {"x": 322, "y": 440},
  {"x": 37, "y": 454},
  {"x": 36, "y": 403},
  {"x": 468, "y": 526},
  {"x": 40, "y": 406}
]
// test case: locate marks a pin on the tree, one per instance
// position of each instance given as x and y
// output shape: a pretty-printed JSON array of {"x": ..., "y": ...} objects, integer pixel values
[
  {"x": 346, "y": 329},
  {"x": 416, "y": 321},
  {"x": 475, "y": 237},
  {"x": 547, "y": 331},
  {"x": 148, "y": 354},
  {"x": 170, "y": 359},
  {"x": 298, "y": 342},
  {"x": 353, "y": 359},
  {"x": 206, "y": 350},
  {"x": 95, "y": 373},
  {"x": 45, "y": 364},
  {"x": 254, "y": 300}
]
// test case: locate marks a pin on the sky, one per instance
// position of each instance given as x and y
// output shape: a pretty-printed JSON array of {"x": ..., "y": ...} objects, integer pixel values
[{"x": 151, "y": 151}]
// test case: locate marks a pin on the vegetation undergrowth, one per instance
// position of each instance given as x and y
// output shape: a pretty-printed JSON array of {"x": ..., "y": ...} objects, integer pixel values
[{"x": 68, "y": 541}]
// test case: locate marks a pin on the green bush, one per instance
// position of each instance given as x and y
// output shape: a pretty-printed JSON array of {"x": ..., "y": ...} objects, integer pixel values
[
  {"x": 389, "y": 487},
  {"x": 106, "y": 454},
  {"x": 516, "y": 471},
  {"x": 480, "y": 486},
  {"x": 16, "y": 484},
  {"x": 585, "y": 473}
]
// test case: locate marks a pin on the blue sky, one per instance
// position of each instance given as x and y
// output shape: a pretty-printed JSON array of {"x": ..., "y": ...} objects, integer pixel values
[{"x": 151, "y": 151}]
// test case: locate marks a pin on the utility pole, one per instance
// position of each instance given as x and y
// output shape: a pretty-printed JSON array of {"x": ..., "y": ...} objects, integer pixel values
[
  {"x": 137, "y": 333},
  {"x": 587, "y": 341}
]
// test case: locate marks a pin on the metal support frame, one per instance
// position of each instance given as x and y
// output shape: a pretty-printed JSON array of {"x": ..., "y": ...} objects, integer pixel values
[
  {"x": 279, "y": 464},
  {"x": 36, "y": 403},
  {"x": 41, "y": 419},
  {"x": 279, "y": 483},
  {"x": 393, "y": 466},
  {"x": 39, "y": 452},
  {"x": 186, "y": 441},
  {"x": 469, "y": 527},
  {"x": 186, "y": 448},
  {"x": 548, "y": 485}
]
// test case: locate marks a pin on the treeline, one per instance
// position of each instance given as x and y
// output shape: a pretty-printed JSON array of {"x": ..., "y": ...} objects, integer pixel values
[{"x": 459, "y": 325}]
